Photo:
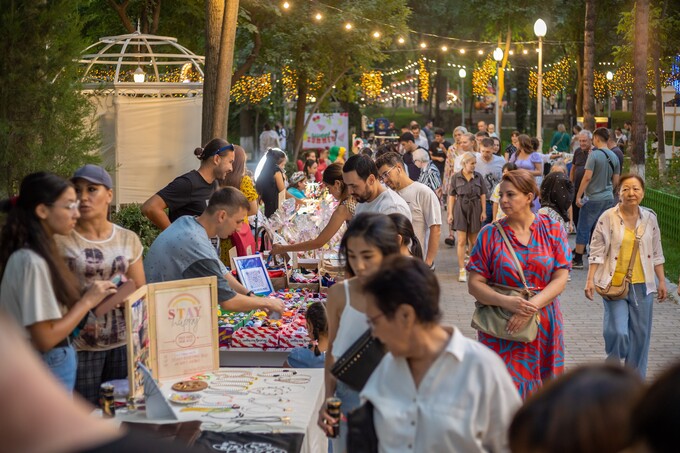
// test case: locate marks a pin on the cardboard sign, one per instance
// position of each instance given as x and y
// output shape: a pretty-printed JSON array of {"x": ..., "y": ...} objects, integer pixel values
[
  {"x": 138, "y": 329},
  {"x": 184, "y": 326},
  {"x": 253, "y": 274}
]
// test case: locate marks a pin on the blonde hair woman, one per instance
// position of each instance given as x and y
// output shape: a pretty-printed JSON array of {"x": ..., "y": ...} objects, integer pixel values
[{"x": 467, "y": 207}]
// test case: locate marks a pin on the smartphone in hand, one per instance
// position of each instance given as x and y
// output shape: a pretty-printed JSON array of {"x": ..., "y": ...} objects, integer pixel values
[{"x": 125, "y": 288}]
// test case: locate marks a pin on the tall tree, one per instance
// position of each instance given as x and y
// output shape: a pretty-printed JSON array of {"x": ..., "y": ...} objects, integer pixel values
[
  {"x": 220, "y": 34},
  {"x": 42, "y": 113},
  {"x": 640, "y": 54},
  {"x": 589, "y": 67},
  {"x": 321, "y": 53}
]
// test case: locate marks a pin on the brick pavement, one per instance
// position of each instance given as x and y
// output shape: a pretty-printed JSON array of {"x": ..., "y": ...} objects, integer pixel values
[{"x": 582, "y": 318}]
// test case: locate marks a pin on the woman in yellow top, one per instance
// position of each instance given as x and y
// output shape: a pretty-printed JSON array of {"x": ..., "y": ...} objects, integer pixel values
[
  {"x": 237, "y": 178},
  {"x": 332, "y": 178},
  {"x": 627, "y": 322}
]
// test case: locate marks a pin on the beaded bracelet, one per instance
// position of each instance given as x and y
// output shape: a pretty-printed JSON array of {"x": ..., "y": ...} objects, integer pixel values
[
  {"x": 278, "y": 373},
  {"x": 232, "y": 374}
]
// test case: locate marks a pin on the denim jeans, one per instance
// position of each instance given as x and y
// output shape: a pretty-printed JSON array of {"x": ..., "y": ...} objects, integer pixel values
[
  {"x": 628, "y": 328},
  {"x": 590, "y": 212},
  {"x": 63, "y": 363},
  {"x": 489, "y": 213},
  {"x": 350, "y": 401}
]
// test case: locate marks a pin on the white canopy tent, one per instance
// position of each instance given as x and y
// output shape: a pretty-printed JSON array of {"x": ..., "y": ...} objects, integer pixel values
[{"x": 147, "y": 91}]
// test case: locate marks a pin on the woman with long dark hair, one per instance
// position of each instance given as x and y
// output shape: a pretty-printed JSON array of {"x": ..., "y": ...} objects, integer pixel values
[
  {"x": 238, "y": 179},
  {"x": 368, "y": 240},
  {"x": 37, "y": 288},
  {"x": 270, "y": 182},
  {"x": 410, "y": 245},
  {"x": 332, "y": 178}
]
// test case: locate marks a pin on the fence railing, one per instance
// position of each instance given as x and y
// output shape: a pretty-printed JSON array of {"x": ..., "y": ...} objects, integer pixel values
[{"x": 667, "y": 208}]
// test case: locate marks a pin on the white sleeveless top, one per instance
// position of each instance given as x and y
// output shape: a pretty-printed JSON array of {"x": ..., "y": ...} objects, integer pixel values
[{"x": 352, "y": 326}]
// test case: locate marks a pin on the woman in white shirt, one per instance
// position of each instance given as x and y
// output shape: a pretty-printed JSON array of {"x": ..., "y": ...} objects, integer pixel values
[
  {"x": 627, "y": 322},
  {"x": 37, "y": 288},
  {"x": 368, "y": 240},
  {"x": 435, "y": 390}
]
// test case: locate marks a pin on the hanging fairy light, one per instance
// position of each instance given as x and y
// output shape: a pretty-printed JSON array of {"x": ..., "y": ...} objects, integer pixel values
[
  {"x": 423, "y": 80},
  {"x": 371, "y": 84},
  {"x": 251, "y": 89}
]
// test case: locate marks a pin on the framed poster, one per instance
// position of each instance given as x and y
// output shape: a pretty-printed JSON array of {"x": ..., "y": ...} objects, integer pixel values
[
  {"x": 253, "y": 274},
  {"x": 184, "y": 326},
  {"x": 138, "y": 329}
]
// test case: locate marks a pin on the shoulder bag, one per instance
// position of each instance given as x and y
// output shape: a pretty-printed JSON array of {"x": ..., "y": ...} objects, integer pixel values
[
  {"x": 356, "y": 365},
  {"x": 361, "y": 435},
  {"x": 618, "y": 292},
  {"x": 492, "y": 319}
]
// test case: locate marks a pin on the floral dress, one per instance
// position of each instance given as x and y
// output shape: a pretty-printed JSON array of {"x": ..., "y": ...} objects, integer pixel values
[{"x": 529, "y": 364}]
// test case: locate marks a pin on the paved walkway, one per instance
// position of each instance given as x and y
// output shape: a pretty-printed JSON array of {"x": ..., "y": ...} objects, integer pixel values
[{"x": 582, "y": 317}]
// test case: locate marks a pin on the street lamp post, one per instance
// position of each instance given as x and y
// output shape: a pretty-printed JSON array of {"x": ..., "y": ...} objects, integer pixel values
[
  {"x": 462, "y": 73},
  {"x": 498, "y": 56},
  {"x": 610, "y": 77},
  {"x": 540, "y": 29}
]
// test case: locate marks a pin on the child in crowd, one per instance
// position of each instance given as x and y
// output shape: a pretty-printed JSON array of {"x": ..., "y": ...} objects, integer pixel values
[
  {"x": 314, "y": 355},
  {"x": 495, "y": 195},
  {"x": 296, "y": 185}
]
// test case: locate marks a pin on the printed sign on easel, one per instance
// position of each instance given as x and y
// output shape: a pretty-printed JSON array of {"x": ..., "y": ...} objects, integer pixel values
[
  {"x": 184, "y": 326},
  {"x": 139, "y": 349}
]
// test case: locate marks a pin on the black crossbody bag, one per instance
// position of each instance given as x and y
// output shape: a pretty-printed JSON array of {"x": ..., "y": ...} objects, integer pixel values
[{"x": 357, "y": 364}]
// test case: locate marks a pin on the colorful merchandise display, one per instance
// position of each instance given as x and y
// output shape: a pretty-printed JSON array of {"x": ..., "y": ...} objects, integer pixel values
[{"x": 257, "y": 330}]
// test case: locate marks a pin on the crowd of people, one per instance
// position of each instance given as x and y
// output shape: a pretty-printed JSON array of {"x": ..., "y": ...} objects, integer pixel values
[{"x": 509, "y": 214}]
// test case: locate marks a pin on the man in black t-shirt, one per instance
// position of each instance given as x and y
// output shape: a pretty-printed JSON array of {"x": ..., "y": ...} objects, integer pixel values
[{"x": 189, "y": 193}]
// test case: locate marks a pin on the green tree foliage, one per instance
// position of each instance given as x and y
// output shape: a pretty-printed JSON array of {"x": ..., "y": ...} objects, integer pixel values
[
  {"x": 41, "y": 111},
  {"x": 326, "y": 48}
]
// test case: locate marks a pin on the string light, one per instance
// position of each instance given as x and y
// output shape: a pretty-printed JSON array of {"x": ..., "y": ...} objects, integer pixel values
[
  {"x": 251, "y": 89},
  {"x": 400, "y": 40},
  {"x": 511, "y": 52},
  {"x": 462, "y": 51},
  {"x": 480, "y": 52},
  {"x": 525, "y": 51},
  {"x": 376, "y": 34},
  {"x": 286, "y": 5},
  {"x": 423, "y": 45},
  {"x": 423, "y": 80},
  {"x": 348, "y": 26},
  {"x": 318, "y": 16},
  {"x": 444, "y": 48},
  {"x": 371, "y": 84},
  {"x": 481, "y": 76}
]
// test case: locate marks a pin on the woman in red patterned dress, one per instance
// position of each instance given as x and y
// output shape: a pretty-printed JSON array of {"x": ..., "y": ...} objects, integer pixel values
[{"x": 543, "y": 250}]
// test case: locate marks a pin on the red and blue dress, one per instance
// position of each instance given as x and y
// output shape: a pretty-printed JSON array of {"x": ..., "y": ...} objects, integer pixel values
[{"x": 548, "y": 249}]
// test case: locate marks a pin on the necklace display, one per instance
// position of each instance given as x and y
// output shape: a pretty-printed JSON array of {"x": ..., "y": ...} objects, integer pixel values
[{"x": 278, "y": 373}]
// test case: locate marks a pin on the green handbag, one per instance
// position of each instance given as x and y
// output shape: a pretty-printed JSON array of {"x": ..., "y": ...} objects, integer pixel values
[{"x": 493, "y": 320}]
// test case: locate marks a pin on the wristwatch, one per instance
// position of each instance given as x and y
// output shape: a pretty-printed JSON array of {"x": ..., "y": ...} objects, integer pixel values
[{"x": 250, "y": 293}]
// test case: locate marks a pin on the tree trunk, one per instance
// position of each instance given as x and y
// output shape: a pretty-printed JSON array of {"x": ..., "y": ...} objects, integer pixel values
[
  {"x": 579, "y": 84},
  {"x": 588, "y": 67},
  {"x": 522, "y": 99},
  {"x": 660, "y": 133},
  {"x": 441, "y": 82},
  {"x": 219, "y": 58},
  {"x": 640, "y": 50},
  {"x": 300, "y": 106}
]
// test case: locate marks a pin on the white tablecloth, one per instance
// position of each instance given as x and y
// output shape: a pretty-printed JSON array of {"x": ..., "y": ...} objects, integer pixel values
[{"x": 297, "y": 404}]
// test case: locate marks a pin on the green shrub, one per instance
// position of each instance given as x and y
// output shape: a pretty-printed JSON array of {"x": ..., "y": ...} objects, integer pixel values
[{"x": 130, "y": 216}]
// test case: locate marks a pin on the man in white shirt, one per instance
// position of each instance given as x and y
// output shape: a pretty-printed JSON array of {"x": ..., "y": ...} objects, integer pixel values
[
  {"x": 268, "y": 139},
  {"x": 360, "y": 175},
  {"x": 435, "y": 390},
  {"x": 419, "y": 135},
  {"x": 490, "y": 166},
  {"x": 422, "y": 201}
]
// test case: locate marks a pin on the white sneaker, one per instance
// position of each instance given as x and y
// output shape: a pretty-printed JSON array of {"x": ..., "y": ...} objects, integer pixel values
[{"x": 462, "y": 275}]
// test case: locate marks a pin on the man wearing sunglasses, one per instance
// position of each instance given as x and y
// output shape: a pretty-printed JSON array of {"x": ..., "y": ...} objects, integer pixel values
[{"x": 189, "y": 193}]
